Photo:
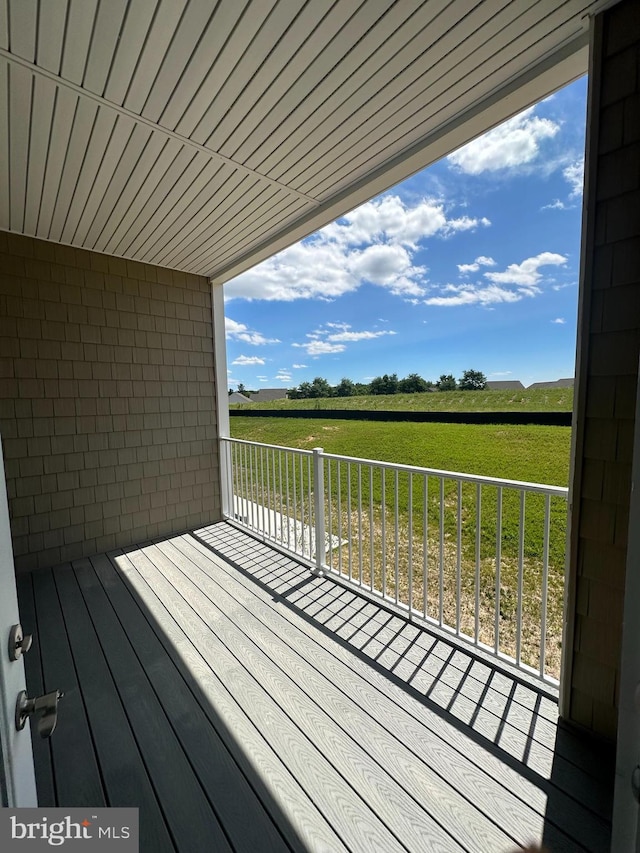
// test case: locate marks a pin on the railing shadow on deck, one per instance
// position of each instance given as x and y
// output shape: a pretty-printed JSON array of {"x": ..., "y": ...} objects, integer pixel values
[{"x": 510, "y": 717}]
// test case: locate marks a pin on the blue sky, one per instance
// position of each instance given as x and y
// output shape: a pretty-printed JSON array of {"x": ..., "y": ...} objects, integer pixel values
[{"x": 472, "y": 263}]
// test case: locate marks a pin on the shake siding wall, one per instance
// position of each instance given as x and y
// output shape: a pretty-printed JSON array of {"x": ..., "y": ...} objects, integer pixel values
[
  {"x": 107, "y": 400},
  {"x": 607, "y": 370}
]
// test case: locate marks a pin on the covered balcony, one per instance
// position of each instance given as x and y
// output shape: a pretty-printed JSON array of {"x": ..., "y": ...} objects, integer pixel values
[{"x": 264, "y": 649}]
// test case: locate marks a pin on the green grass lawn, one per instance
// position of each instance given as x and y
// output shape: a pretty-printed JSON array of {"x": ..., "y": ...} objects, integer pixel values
[
  {"x": 369, "y": 503},
  {"x": 538, "y": 454},
  {"x": 535, "y": 400}
]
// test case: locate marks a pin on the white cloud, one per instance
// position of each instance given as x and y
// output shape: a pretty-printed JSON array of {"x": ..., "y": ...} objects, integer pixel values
[
  {"x": 511, "y": 285},
  {"x": 373, "y": 244},
  {"x": 526, "y": 274},
  {"x": 470, "y": 295},
  {"x": 326, "y": 340},
  {"x": 239, "y": 332},
  {"x": 481, "y": 261},
  {"x": 298, "y": 366},
  {"x": 556, "y": 204},
  {"x": 246, "y": 360},
  {"x": 466, "y": 223},
  {"x": 559, "y": 320},
  {"x": 574, "y": 174},
  {"x": 358, "y": 336},
  {"x": 514, "y": 144},
  {"x": 387, "y": 266},
  {"x": 321, "y": 347}
]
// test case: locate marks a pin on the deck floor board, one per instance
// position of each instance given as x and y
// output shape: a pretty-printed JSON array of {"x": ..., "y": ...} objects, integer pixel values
[{"x": 243, "y": 703}]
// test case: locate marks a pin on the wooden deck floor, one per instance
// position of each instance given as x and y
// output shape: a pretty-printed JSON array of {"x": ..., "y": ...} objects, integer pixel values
[{"x": 244, "y": 704}]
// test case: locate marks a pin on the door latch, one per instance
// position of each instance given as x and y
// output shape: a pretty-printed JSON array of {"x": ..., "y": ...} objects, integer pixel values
[
  {"x": 46, "y": 706},
  {"x": 19, "y": 643}
]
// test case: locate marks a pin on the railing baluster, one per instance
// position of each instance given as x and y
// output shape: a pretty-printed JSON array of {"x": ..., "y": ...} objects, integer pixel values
[
  {"x": 252, "y": 456},
  {"x": 520, "y": 577},
  {"x": 301, "y": 492},
  {"x": 383, "y": 511},
  {"x": 371, "y": 529},
  {"x": 360, "y": 540},
  {"x": 293, "y": 524},
  {"x": 441, "y": 557},
  {"x": 459, "y": 558},
  {"x": 349, "y": 531},
  {"x": 545, "y": 586},
  {"x": 425, "y": 547},
  {"x": 329, "y": 531},
  {"x": 264, "y": 529},
  {"x": 313, "y": 521},
  {"x": 242, "y": 476},
  {"x": 410, "y": 549},
  {"x": 318, "y": 505},
  {"x": 396, "y": 563},
  {"x": 282, "y": 512},
  {"x": 339, "y": 488},
  {"x": 496, "y": 636},
  {"x": 268, "y": 487},
  {"x": 478, "y": 558},
  {"x": 286, "y": 473},
  {"x": 277, "y": 508},
  {"x": 243, "y": 507}
]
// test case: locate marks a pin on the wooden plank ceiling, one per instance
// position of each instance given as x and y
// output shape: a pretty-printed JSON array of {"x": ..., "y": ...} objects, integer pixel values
[{"x": 204, "y": 135}]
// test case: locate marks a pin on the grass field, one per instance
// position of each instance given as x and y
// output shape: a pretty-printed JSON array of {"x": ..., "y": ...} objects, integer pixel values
[
  {"x": 524, "y": 400},
  {"x": 538, "y": 454},
  {"x": 377, "y": 552}
]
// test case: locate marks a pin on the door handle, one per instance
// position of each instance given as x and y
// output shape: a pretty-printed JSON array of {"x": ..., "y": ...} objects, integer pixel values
[{"x": 46, "y": 706}]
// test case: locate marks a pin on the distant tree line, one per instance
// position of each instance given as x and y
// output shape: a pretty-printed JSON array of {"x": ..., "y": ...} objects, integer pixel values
[{"x": 471, "y": 380}]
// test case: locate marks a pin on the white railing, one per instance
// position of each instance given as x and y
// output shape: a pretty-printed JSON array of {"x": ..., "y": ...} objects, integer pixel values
[{"x": 481, "y": 557}]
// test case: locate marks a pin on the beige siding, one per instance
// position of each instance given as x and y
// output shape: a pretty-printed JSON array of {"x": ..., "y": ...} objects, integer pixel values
[
  {"x": 107, "y": 400},
  {"x": 608, "y": 369}
]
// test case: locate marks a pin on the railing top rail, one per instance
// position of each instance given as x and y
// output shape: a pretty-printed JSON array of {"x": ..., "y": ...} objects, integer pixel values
[
  {"x": 269, "y": 446},
  {"x": 541, "y": 488},
  {"x": 559, "y": 491}
]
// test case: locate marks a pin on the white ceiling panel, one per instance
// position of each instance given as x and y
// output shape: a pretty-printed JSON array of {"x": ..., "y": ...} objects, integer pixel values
[
  {"x": 226, "y": 61},
  {"x": 65, "y": 104},
  {"x": 206, "y": 134},
  {"x": 44, "y": 96},
  {"x": 23, "y": 27},
  {"x": 80, "y": 17},
  {"x": 107, "y": 27},
  {"x": 354, "y": 79},
  {"x": 51, "y": 26},
  {"x": 453, "y": 84}
]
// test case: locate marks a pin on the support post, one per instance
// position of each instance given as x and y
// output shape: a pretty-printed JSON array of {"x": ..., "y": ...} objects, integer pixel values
[
  {"x": 318, "y": 501},
  {"x": 222, "y": 399}
]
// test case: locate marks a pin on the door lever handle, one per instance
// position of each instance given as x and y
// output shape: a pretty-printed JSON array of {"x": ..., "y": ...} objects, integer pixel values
[
  {"x": 19, "y": 643},
  {"x": 46, "y": 706}
]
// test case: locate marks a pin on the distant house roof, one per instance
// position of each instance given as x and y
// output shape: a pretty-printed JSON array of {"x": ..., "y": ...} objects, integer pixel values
[
  {"x": 236, "y": 397},
  {"x": 559, "y": 383},
  {"x": 264, "y": 395},
  {"x": 505, "y": 385}
]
